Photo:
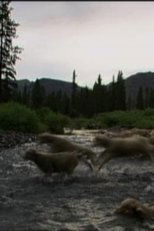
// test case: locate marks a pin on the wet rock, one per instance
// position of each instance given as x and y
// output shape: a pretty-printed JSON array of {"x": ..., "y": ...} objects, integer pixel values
[{"x": 10, "y": 139}]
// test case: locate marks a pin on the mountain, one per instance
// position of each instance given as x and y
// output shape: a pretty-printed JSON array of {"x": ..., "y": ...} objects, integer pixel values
[
  {"x": 134, "y": 82},
  {"x": 50, "y": 85}
]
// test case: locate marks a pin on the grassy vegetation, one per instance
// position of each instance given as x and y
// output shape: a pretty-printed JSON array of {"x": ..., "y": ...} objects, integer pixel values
[
  {"x": 126, "y": 119},
  {"x": 54, "y": 122},
  {"x": 17, "y": 117}
]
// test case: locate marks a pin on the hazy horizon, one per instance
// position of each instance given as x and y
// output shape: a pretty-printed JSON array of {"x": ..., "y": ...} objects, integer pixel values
[{"x": 91, "y": 37}]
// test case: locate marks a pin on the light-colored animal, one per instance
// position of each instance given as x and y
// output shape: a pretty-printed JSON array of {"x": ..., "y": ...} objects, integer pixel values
[
  {"x": 123, "y": 147},
  {"x": 128, "y": 133},
  {"x": 152, "y": 132},
  {"x": 59, "y": 144},
  {"x": 133, "y": 207},
  {"x": 151, "y": 140},
  {"x": 53, "y": 163},
  {"x": 141, "y": 132}
]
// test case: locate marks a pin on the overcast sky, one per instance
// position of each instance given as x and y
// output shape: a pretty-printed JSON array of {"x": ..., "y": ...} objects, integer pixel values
[{"x": 90, "y": 37}]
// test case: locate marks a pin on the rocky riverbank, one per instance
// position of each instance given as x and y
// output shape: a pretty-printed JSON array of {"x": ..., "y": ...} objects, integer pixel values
[{"x": 10, "y": 139}]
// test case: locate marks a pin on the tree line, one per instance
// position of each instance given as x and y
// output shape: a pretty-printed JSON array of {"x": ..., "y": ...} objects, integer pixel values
[{"x": 82, "y": 102}]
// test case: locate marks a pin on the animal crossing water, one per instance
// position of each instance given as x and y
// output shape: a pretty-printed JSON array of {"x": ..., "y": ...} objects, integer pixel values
[{"x": 84, "y": 201}]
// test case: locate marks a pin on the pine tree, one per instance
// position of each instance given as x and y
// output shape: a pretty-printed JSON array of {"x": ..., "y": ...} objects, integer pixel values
[
  {"x": 8, "y": 52},
  {"x": 151, "y": 98},
  {"x": 66, "y": 104},
  {"x": 111, "y": 96},
  {"x": 120, "y": 93},
  {"x": 147, "y": 96},
  {"x": 99, "y": 94},
  {"x": 73, "y": 96},
  {"x": 51, "y": 102},
  {"x": 129, "y": 103},
  {"x": 140, "y": 99},
  {"x": 86, "y": 106},
  {"x": 37, "y": 95},
  {"x": 59, "y": 100},
  {"x": 25, "y": 96},
  {"x": 17, "y": 96}
]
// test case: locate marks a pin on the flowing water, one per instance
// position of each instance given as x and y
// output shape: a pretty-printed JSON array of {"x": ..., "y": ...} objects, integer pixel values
[{"x": 84, "y": 201}]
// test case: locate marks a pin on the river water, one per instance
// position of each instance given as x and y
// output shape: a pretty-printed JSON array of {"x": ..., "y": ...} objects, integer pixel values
[{"x": 84, "y": 201}]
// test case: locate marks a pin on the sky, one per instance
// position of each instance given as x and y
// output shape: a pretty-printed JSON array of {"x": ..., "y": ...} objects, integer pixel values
[{"x": 91, "y": 37}]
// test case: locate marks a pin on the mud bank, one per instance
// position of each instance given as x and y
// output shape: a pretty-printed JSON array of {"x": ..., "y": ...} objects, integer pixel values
[{"x": 83, "y": 202}]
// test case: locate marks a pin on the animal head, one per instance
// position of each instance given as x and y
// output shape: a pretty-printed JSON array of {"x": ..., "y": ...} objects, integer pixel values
[
  {"x": 128, "y": 207},
  {"x": 45, "y": 137},
  {"x": 102, "y": 140}
]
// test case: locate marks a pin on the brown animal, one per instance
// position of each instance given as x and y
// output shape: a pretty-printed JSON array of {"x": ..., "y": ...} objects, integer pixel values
[
  {"x": 63, "y": 162},
  {"x": 133, "y": 207},
  {"x": 59, "y": 144},
  {"x": 141, "y": 132},
  {"x": 128, "y": 133},
  {"x": 123, "y": 146},
  {"x": 151, "y": 140}
]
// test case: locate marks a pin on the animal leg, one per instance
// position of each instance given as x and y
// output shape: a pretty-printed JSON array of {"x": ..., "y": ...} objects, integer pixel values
[
  {"x": 89, "y": 164},
  {"x": 106, "y": 157}
]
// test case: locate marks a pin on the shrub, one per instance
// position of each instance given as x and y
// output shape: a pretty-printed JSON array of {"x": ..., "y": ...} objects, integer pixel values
[
  {"x": 14, "y": 116},
  {"x": 111, "y": 119},
  {"x": 149, "y": 112},
  {"x": 145, "y": 123},
  {"x": 126, "y": 119},
  {"x": 79, "y": 123},
  {"x": 42, "y": 113},
  {"x": 56, "y": 122},
  {"x": 120, "y": 118}
]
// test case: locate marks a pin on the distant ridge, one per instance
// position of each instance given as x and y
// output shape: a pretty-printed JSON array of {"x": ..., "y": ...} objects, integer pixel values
[
  {"x": 50, "y": 85},
  {"x": 132, "y": 83}
]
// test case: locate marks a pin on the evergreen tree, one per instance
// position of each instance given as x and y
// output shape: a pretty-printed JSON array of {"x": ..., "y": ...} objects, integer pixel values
[
  {"x": 51, "y": 102},
  {"x": 111, "y": 96},
  {"x": 37, "y": 95},
  {"x": 59, "y": 101},
  {"x": 25, "y": 96},
  {"x": 140, "y": 99},
  {"x": 129, "y": 103},
  {"x": 86, "y": 106},
  {"x": 147, "y": 97},
  {"x": 151, "y": 98},
  {"x": 8, "y": 52},
  {"x": 73, "y": 96},
  {"x": 120, "y": 93},
  {"x": 99, "y": 94},
  {"x": 66, "y": 104},
  {"x": 17, "y": 96}
]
